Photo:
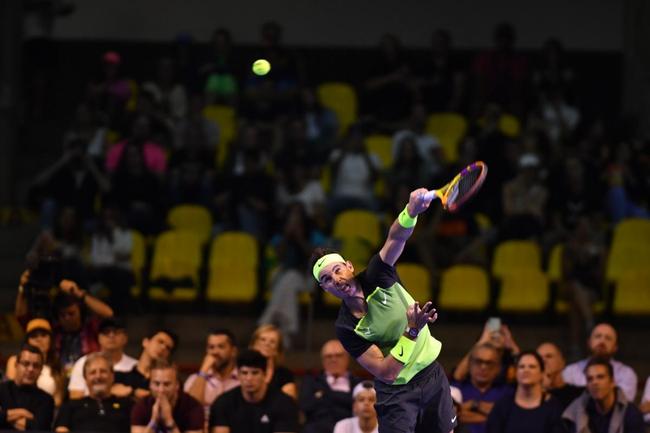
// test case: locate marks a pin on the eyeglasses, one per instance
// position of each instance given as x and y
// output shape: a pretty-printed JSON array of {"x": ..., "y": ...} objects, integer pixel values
[
  {"x": 27, "y": 364},
  {"x": 485, "y": 362}
]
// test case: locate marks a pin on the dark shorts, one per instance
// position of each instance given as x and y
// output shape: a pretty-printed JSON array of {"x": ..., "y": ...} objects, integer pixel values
[{"x": 422, "y": 405}]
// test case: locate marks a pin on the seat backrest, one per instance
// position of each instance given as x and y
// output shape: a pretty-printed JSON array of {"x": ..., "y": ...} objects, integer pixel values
[
  {"x": 234, "y": 249},
  {"x": 341, "y": 98},
  {"x": 192, "y": 218},
  {"x": 449, "y": 129},
  {"x": 416, "y": 279},
  {"x": 177, "y": 254},
  {"x": 515, "y": 255},
  {"x": 138, "y": 251},
  {"x": 554, "y": 268},
  {"x": 358, "y": 223}
]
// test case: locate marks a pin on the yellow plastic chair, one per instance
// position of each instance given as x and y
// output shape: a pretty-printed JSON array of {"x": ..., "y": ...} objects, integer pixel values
[
  {"x": 341, "y": 98},
  {"x": 524, "y": 291},
  {"x": 554, "y": 268},
  {"x": 416, "y": 279},
  {"x": 226, "y": 118},
  {"x": 514, "y": 256},
  {"x": 358, "y": 223},
  {"x": 632, "y": 294},
  {"x": 194, "y": 218},
  {"x": 509, "y": 125},
  {"x": 233, "y": 268},
  {"x": 630, "y": 248},
  {"x": 449, "y": 129},
  {"x": 382, "y": 146},
  {"x": 176, "y": 256},
  {"x": 464, "y": 288},
  {"x": 138, "y": 260}
]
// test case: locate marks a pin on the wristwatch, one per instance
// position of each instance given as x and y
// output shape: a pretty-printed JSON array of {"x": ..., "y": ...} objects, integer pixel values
[{"x": 413, "y": 332}]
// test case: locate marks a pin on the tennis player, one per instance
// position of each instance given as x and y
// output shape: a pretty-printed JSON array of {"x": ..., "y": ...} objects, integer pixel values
[{"x": 386, "y": 330}]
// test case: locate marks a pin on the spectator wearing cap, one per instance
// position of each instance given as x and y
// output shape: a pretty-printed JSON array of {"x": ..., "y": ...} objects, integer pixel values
[
  {"x": 365, "y": 417},
  {"x": 23, "y": 405},
  {"x": 168, "y": 408},
  {"x": 603, "y": 407},
  {"x": 39, "y": 334},
  {"x": 157, "y": 347},
  {"x": 99, "y": 411},
  {"x": 253, "y": 406},
  {"x": 553, "y": 382},
  {"x": 603, "y": 343},
  {"x": 112, "y": 340},
  {"x": 326, "y": 398}
]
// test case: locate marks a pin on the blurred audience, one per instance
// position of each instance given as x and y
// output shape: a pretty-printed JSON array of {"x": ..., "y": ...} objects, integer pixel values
[
  {"x": 363, "y": 406},
  {"x": 553, "y": 382},
  {"x": 267, "y": 340}
]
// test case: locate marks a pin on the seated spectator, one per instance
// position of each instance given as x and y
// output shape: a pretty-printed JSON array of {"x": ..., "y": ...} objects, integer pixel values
[
  {"x": 353, "y": 171},
  {"x": 168, "y": 408},
  {"x": 553, "y": 382},
  {"x": 327, "y": 398},
  {"x": 321, "y": 122},
  {"x": 152, "y": 153},
  {"x": 292, "y": 248},
  {"x": 253, "y": 406},
  {"x": 157, "y": 347},
  {"x": 109, "y": 264},
  {"x": 645, "y": 403},
  {"x": 167, "y": 92},
  {"x": 24, "y": 405},
  {"x": 530, "y": 409},
  {"x": 218, "y": 372},
  {"x": 78, "y": 314},
  {"x": 603, "y": 407},
  {"x": 112, "y": 338},
  {"x": 479, "y": 390},
  {"x": 267, "y": 339},
  {"x": 87, "y": 129},
  {"x": 39, "y": 334},
  {"x": 363, "y": 407},
  {"x": 603, "y": 343},
  {"x": 99, "y": 411},
  {"x": 219, "y": 74}
]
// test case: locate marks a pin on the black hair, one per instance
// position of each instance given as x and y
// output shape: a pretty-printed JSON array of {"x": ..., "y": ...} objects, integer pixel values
[
  {"x": 317, "y": 254},
  {"x": 598, "y": 360},
  {"x": 533, "y": 353},
  {"x": 224, "y": 331},
  {"x": 31, "y": 349},
  {"x": 171, "y": 334},
  {"x": 63, "y": 300},
  {"x": 251, "y": 358}
]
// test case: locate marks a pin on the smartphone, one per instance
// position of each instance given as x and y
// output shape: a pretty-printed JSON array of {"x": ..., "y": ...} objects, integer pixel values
[{"x": 493, "y": 324}]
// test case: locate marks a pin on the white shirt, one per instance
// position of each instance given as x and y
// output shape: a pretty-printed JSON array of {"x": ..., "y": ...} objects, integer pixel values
[
  {"x": 341, "y": 383},
  {"x": 426, "y": 144},
  {"x": 350, "y": 425},
  {"x": 624, "y": 376},
  {"x": 77, "y": 381},
  {"x": 354, "y": 177},
  {"x": 104, "y": 252}
]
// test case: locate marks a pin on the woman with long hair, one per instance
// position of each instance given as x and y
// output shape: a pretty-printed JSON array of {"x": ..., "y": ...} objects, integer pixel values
[
  {"x": 39, "y": 334},
  {"x": 267, "y": 339}
]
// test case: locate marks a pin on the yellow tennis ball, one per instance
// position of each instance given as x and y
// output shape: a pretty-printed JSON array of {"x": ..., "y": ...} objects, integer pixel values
[{"x": 261, "y": 67}]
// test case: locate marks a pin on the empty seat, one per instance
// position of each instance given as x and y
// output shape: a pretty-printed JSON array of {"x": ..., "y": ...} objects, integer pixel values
[
  {"x": 514, "y": 256},
  {"x": 464, "y": 288},
  {"x": 176, "y": 262},
  {"x": 233, "y": 268},
  {"x": 194, "y": 218},
  {"x": 416, "y": 279},
  {"x": 523, "y": 291}
]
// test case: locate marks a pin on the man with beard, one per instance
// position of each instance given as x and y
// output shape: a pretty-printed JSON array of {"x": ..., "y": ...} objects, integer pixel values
[
  {"x": 218, "y": 373},
  {"x": 23, "y": 405},
  {"x": 99, "y": 411},
  {"x": 603, "y": 343}
]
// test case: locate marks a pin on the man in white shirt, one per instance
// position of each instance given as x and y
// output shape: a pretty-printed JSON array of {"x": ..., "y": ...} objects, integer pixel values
[
  {"x": 603, "y": 343},
  {"x": 363, "y": 407},
  {"x": 112, "y": 339}
]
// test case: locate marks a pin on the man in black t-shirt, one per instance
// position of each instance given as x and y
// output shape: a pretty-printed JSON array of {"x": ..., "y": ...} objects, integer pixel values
[
  {"x": 553, "y": 382},
  {"x": 252, "y": 407},
  {"x": 99, "y": 411},
  {"x": 23, "y": 406}
]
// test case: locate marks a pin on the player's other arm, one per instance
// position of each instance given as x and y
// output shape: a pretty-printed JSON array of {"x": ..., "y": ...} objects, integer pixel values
[{"x": 402, "y": 227}]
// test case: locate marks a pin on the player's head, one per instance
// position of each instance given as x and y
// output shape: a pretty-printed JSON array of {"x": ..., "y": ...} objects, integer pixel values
[{"x": 333, "y": 273}]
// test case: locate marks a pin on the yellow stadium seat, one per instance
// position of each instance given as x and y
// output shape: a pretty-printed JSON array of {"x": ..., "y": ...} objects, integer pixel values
[
  {"x": 138, "y": 261},
  {"x": 632, "y": 230},
  {"x": 341, "y": 98},
  {"x": 416, "y": 279},
  {"x": 358, "y": 223},
  {"x": 449, "y": 129},
  {"x": 509, "y": 125},
  {"x": 630, "y": 248},
  {"x": 225, "y": 117},
  {"x": 464, "y": 288},
  {"x": 632, "y": 295},
  {"x": 554, "y": 268},
  {"x": 233, "y": 268},
  {"x": 524, "y": 291},
  {"x": 382, "y": 146},
  {"x": 194, "y": 218},
  {"x": 513, "y": 256},
  {"x": 176, "y": 257},
  {"x": 132, "y": 103}
]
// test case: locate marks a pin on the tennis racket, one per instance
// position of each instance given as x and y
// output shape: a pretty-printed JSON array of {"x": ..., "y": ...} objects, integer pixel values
[{"x": 461, "y": 188}]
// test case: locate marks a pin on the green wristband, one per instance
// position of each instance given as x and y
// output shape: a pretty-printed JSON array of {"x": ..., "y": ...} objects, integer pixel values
[
  {"x": 406, "y": 220},
  {"x": 403, "y": 350}
]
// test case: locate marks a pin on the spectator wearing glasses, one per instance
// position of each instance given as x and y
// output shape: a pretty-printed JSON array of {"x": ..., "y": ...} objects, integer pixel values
[
  {"x": 327, "y": 397},
  {"x": 479, "y": 390},
  {"x": 363, "y": 407},
  {"x": 23, "y": 405}
]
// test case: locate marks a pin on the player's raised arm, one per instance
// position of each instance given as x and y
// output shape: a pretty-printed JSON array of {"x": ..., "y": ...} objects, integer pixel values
[{"x": 403, "y": 225}]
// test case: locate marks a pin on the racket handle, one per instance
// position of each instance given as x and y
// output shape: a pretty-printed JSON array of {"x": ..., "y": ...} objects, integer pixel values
[{"x": 430, "y": 195}]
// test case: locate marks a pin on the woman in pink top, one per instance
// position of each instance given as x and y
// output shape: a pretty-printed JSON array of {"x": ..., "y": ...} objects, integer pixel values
[{"x": 155, "y": 159}]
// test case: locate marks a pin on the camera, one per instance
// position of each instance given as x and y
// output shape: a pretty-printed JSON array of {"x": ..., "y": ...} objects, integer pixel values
[{"x": 44, "y": 274}]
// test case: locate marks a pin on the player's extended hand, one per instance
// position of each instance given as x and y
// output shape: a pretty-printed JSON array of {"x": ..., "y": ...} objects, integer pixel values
[
  {"x": 419, "y": 317},
  {"x": 417, "y": 201}
]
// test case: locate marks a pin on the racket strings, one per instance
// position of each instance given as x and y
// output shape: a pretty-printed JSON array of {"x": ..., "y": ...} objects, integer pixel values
[{"x": 462, "y": 186}]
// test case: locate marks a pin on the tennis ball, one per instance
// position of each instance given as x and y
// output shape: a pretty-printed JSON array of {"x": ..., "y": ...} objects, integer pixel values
[{"x": 261, "y": 67}]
